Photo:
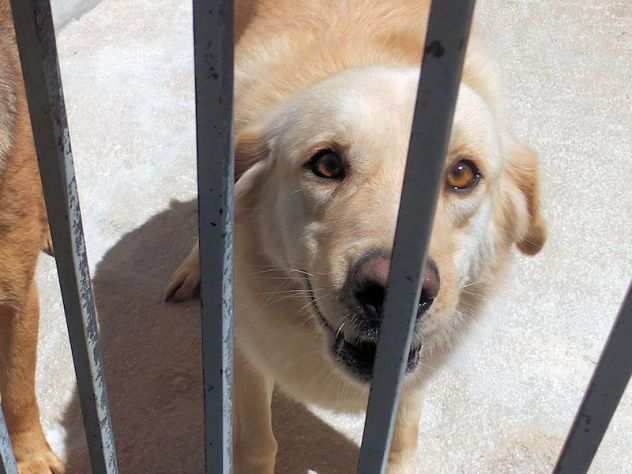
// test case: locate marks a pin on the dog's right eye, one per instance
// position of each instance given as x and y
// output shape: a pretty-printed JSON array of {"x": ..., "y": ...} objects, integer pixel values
[{"x": 327, "y": 164}]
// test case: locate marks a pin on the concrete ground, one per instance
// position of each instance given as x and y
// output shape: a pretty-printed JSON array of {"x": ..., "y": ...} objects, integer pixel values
[{"x": 505, "y": 399}]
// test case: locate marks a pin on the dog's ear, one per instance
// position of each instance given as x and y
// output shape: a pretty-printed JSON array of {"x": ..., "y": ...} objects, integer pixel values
[
  {"x": 530, "y": 227},
  {"x": 251, "y": 147}
]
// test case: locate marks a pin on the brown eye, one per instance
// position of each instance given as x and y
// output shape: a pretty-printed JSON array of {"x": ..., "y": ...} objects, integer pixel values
[
  {"x": 327, "y": 164},
  {"x": 463, "y": 176}
]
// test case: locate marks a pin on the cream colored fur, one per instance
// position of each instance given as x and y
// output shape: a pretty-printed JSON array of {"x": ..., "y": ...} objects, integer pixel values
[{"x": 322, "y": 73}]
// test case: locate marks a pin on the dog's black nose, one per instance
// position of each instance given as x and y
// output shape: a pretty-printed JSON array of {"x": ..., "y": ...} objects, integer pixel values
[
  {"x": 369, "y": 281},
  {"x": 369, "y": 285}
]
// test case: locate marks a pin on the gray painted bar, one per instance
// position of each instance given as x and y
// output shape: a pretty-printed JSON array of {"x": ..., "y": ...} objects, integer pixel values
[
  {"x": 446, "y": 42},
  {"x": 213, "y": 52},
  {"x": 604, "y": 393},
  {"x": 38, "y": 53}
]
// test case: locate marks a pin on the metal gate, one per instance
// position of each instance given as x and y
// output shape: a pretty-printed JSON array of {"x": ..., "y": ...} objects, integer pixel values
[{"x": 448, "y": 27}]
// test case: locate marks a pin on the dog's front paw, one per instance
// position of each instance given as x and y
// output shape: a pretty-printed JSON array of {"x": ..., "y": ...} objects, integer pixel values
[
  {"x": 185, "y": 282},
  {"x": 34, "y": 456},
  {"x": 41, "y": 463}
]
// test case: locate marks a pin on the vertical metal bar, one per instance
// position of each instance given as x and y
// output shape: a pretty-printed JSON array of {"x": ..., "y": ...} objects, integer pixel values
[
  {"x": 213, "y": 53},
  {"x": 38, "y": 53},
  {"x": 7, "y": 460},
  {"x": 602, "y": 397},
  {"x": 446, "y": 42}
]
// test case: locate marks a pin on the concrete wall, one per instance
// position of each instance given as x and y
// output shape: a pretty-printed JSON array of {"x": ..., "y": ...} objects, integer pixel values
[{"x": 67, "y": 10}]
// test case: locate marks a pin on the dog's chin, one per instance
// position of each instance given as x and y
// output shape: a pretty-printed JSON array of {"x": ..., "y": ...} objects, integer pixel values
[{"x": 358, "y": 358}]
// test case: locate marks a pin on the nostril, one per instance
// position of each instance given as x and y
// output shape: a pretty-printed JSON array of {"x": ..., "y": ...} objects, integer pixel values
[
  {"x": 368, "y": 285},
  {"x": 371, "y": 296},
  {"x": 430, "y": 287},
  {"x": 426, "y": 297}
]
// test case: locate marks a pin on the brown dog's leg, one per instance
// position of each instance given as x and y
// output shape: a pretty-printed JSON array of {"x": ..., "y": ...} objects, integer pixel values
[
  {"x": 255, "y": 445},
  {"x": 401, "y": 459},
  {"x": 18, "y": 347}
]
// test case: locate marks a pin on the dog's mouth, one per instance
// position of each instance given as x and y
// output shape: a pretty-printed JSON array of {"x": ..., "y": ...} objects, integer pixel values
[
  {"x": 356, "y": 356},
  {"x": 359, "y": 357}
]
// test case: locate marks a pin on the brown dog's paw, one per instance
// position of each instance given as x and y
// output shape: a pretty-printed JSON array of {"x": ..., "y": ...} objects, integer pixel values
[
  {"x": 185, "y": 283},
  {"x": 34, "y": 456},
  {"x": 42, "y": 463}
]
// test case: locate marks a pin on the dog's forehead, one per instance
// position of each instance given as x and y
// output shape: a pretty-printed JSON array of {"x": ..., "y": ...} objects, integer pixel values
[
  {"x": 374, "y": 100},
  {"x": 352, "y": 109},
  {"x": 372, "y": 109},
  {"x": 358, "y": 108},
  {"x": 378, "y": 111}
]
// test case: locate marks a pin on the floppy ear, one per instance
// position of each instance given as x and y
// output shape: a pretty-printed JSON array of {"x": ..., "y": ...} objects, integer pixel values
[
  {"x": 523, "y": 169},
  {"x": 251, "y": 147}
]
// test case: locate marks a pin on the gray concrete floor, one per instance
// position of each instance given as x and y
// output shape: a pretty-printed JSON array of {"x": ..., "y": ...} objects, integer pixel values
[{"x": 508, "y": 394}]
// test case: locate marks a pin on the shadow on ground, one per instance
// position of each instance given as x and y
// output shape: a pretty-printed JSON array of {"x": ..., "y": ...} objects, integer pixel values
[{"x": 152, "y": 359}]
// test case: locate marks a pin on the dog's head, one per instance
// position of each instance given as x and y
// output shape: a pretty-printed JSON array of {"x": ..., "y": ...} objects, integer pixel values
[{"x": 320, "y": 184}]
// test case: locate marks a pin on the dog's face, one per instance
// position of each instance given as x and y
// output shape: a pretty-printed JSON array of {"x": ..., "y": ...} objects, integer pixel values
[{"x": 324, "y": 174}]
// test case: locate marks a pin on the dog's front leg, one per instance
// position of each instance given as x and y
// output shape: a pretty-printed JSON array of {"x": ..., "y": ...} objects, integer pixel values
[
  {"x": 255, "y": 445},
  {"x": 18, "y": 351},
  {"x": 402, "y": 457}
]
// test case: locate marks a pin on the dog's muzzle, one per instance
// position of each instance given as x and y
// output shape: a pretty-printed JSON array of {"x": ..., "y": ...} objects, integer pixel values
[{"x": 354, "y": 340}]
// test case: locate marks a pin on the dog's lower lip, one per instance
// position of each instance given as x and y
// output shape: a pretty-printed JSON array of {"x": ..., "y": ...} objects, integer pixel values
[{"x": 358, "y": 357}]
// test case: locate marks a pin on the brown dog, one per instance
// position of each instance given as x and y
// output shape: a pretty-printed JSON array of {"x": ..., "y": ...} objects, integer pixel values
[
  {"x": 325, "y": 93},
  {"x": 23, "y": 233}
]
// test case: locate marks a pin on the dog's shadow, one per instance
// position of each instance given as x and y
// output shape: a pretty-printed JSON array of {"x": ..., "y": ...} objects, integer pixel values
[{"x": 153, "y": 371}]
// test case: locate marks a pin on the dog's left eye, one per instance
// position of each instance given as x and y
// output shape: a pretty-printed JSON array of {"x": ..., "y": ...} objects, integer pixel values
[
  {"x": 327, "y": 164},
  {"x": 463, "y": 176}
]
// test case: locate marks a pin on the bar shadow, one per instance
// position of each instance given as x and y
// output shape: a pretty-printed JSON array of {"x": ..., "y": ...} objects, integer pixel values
[{"x": 153, "y": 372}]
